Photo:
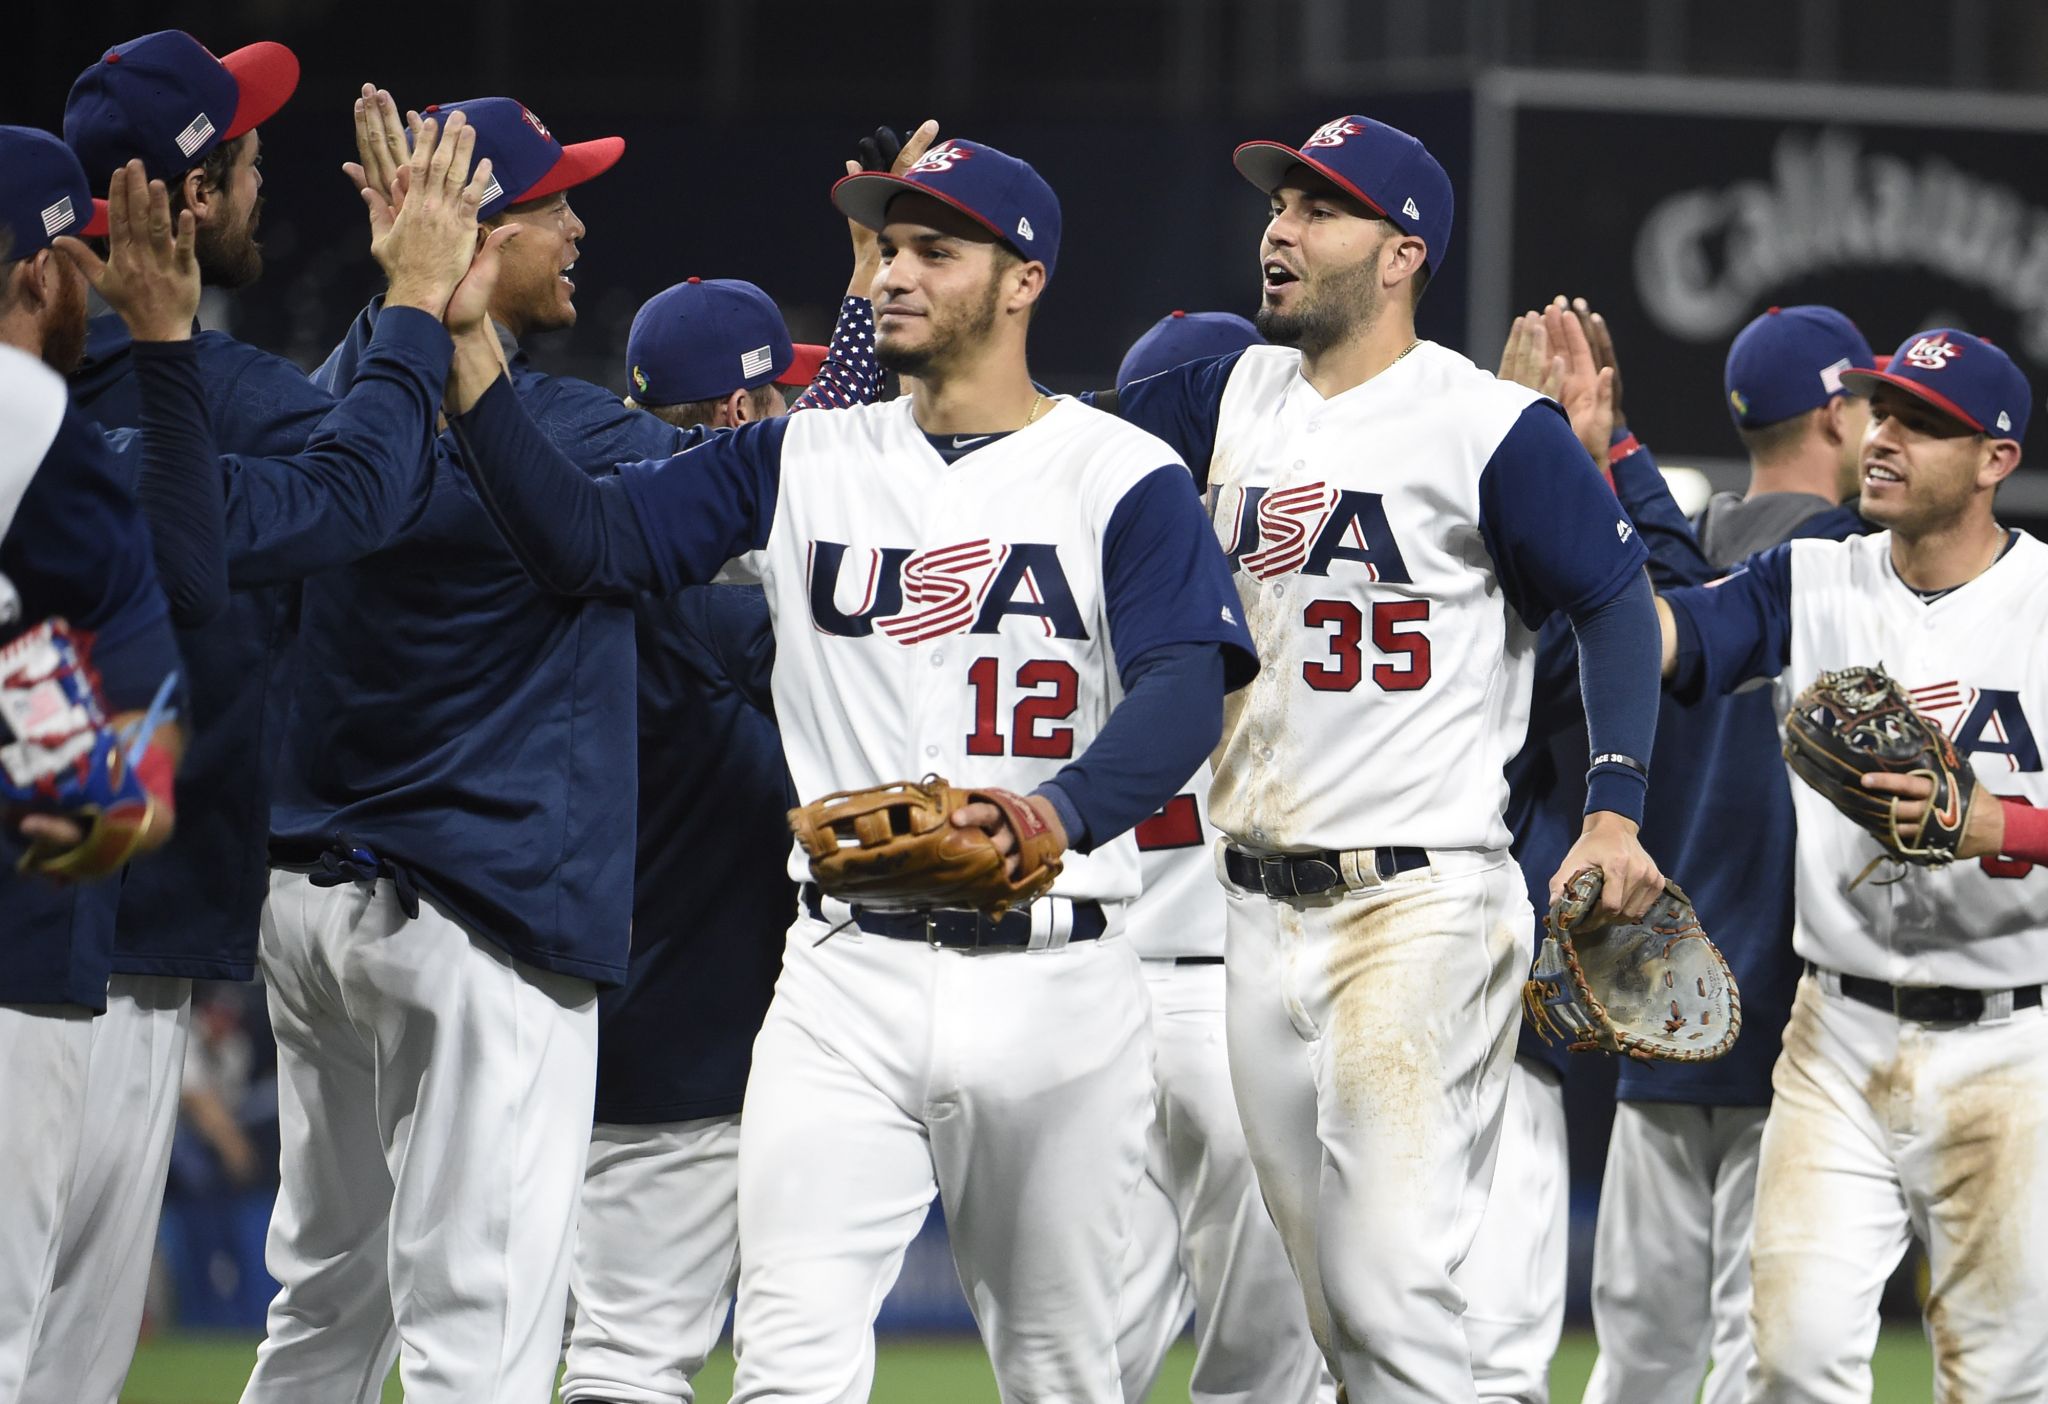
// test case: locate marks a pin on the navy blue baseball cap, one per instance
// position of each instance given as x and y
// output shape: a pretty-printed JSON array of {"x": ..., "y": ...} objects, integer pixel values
[
  {"x": 1791, "y": 360},
  {"x": 1391, "y": 172},
  {"x": 1963, "y": 376},
  {"x": 705, "y": 338},
  {"x": 42, "y": 194},
  {"x": 1180, "y": 337},
  {"x": 999, "y": 192},
  {"x": 527, "y": 163},
  {"x": 167, "y": 99}
]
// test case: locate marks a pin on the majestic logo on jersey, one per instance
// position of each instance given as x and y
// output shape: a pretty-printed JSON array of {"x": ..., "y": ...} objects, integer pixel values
[
  {"x": 1932, "y": 353},
  {"x": 913, "y": 597},
  {"x": 942, "y": 157},
  {"x": 1622, "y": 529},
  {"x": 1981, "y": 719},
  {"x": 1333, "y": 133},
  {"x": 1305, "y": 528}
]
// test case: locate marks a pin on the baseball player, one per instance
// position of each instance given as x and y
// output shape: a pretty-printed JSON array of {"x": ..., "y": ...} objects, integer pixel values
[
  {"x": 1379, "y": 497},
  {"x": 1907, "y": 1102},
  {"x": 1201, "y": 1240},
  {"x": 1014, "y": 558},
  {"x": 1671, "y": 1255}
]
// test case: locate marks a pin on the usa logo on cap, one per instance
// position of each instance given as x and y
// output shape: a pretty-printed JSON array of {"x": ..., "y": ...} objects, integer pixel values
[
  {"x": 1333, "y": 133},
  {"x": 1932, "y": 353},
  {"x": 942, "y": 157}
]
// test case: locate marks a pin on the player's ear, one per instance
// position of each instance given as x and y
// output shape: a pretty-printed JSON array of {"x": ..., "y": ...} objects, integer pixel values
[
  {"x": 2002, "y": 456},
  {"x": 735, "y": 410},
  {"x": 1401, "y": 258},
  {"x": 1026, "y": 281},
  {"x": 196, "y": 195}
]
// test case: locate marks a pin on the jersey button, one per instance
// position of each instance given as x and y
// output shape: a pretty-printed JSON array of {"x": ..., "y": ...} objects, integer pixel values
[
  {"x": 1313, "y": 426},
  {"x": 1299, "y": 464},
  {"x": 931, "y": 750},
  {"x": 1278, "y": 591},
  {"x": 938, "y": 657}
]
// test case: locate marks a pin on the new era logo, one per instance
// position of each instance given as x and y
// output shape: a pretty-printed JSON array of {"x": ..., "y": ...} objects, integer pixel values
[
  {"x": 2004, "y": 422},
  {"x": 1408, "y": 208},
  {"x": 1023, "y": 228},
  {"x": 196, "y": 134},
  {"x": 60, "y": 216},
  {"x": 759, "y": 361}
]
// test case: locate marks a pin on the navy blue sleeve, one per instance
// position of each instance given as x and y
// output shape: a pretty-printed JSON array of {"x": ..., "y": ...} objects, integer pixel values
[
  {"x": 744, "y": 636},
  {"x": 1619, "y": 647},
  {"x": 1559, "y": 540},
  {"x": 1160, "y": 733},
  {"x": 1675, "y": 555},
  {"x": 1736, "y": 629},
  {"x": 1166, "y": 581},
  {"x": 594, "y": 427},
  {"x": 259, "y": 403},
  {"x": 1179, "y": 405},
  {"x": 362, "y": 477},
  {"x": 178, "y": 485}
]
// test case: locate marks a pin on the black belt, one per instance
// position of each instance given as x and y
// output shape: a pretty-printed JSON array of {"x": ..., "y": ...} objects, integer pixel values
[
  {"x": 960, "y": 930},
  {"x": 1927, "y": 1004},
  {"x": 1198, "y": 960},
  {"x": 1306, "y": 874}
]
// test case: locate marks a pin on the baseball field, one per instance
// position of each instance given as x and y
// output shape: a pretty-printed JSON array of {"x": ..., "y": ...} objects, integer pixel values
[{"x": 211, "y": 1369}]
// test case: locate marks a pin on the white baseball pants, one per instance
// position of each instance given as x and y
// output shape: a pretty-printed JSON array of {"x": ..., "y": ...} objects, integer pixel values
[
  {"x": 657, "y": 1259},
  {"x": 44, "y": 1049},
  {"x": 1671, "y": 1254},
  {"x": 1371, "y": 1033},
  {"x": 1016, "y": 1085},
  {"x": 1514, "y": 1277},
  {"x": 1882, "y": 1130},
  {"x": 1201, "y": 1239},
  {"x": 434, "y": 1103},
  {"x": 133, "y": 1077}
]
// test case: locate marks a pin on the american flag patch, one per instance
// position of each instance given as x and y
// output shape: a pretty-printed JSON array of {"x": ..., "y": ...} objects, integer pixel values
[
  {"x": 60, "y": 216},
  {"x": 759, "y": 361},
  {"x": 492, "y": 191},
  {"x": 195, "y": 135}
]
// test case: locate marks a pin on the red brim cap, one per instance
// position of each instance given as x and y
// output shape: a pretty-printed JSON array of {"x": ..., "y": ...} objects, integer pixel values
[
  {"x": 96, "y": 227},
  {"x": 581, "y": 161},
  {"x": 864, "y": 198},
  {"x": 267, "y": 74},
  {"x": 1862, "y": 382},
  {"x": 803, "y": 366},
  {"x": 1266, "y": 163}
]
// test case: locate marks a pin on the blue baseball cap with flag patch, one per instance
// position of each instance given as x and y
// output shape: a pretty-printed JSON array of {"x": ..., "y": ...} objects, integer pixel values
[
  {"x": 1388, "y": 170},
  {"x": 43, "y": 193},
  {"x": 707, "y": 337},
  {"x": 1180, "y": 337},
  {"x": 997, "y": 191},
  {"x": 527, "y": 163},
  {"x": 166, "y": 99},
  {"x": 1963, "y": 376},
  {"x": 1790, "y": 360}
]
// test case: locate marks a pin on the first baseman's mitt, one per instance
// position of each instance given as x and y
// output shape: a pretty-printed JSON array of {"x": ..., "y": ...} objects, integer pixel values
[
  {"x": 1859, "y": 721},
  {"x": 1655, "y": 989},
  {"x": 895, "y": 846},
  {"x": 60, "y": 755}
]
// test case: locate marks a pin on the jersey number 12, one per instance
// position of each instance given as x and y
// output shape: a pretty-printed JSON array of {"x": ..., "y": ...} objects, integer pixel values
[{"x": 1031, "y": 731}]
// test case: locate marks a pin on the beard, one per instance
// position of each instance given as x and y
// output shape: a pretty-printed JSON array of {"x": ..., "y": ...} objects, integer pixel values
[
  {"x": 230, "y": 258},
  {"x": 949, "y": 332},
  {"x": 1334, "y": 305},
  {"x": 64, "y": 341}
]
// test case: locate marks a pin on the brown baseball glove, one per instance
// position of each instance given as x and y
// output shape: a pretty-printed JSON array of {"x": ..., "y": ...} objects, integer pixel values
[
  {"x": 896, "y": 846},
  {"x": 1859, "y": 721},
  {"x": 1655, "y": 989}
]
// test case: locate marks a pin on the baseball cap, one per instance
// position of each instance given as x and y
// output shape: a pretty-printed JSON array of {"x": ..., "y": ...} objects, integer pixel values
[
  {"x": 1961, "y": 375},
  {"x": 707, "y": 337},
  {"x": 1790, "y": 360},
  {"x": 43, "y": 193},
  {"x": 997, "y": 191},
  {"x": 527, "y": 163},
  {"x": 1180, "y": 337},
  {"x": 167, "y": 99},
  {"x": 1390, "y": 171}
]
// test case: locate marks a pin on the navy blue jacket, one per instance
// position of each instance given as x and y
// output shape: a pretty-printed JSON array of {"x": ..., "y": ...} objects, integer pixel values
[{"x": 78, "y": 549}]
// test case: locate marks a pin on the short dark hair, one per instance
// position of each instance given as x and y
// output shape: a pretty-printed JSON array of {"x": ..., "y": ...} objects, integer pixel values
[
  {"x": 213, "y": 171},
  {"x": 703, "y": 412}
]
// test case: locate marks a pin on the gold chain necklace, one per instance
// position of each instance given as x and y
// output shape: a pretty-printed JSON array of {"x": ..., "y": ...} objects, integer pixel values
[{"x": 1039, "y": 404}]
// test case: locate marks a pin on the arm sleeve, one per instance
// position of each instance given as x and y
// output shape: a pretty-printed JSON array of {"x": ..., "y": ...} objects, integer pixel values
[
  {"x": 1160, "y": 733},
  {"x": 1180, "y": 406},
  {"x": 653, "y": 526},
  {"x": 1619, "y": 645},
  {"x": 362, "y": 477},
  {"x": 1736, "y": 629},
  {"x": 178, "y": 486},
  {"x": 1675, "y": 555},
  {"x": 850, "y": 374},
  {"x": 1166, "y": 581}
]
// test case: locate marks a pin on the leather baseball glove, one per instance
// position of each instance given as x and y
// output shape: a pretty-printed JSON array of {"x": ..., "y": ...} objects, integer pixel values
[
  {"x": 60, "y": 755},
  {"x": 894, "y": 846},
  {"x": 1656, "y": 989},
  {"x": 1859, "y": 721}
]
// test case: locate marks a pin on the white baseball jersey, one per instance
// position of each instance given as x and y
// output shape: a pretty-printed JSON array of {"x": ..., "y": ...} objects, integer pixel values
[
  {"x": 1395, "y": 547},
  {"x": 1179, "y": 911},
  {"x": 1973, "y": 663}
]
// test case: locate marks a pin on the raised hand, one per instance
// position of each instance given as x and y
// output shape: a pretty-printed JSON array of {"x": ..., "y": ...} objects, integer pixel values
[
  {"x": 150, "y": 274},
  {"x": 469, "y": 306},
  {"x": 380, "y": 143},
  {"x": 426, "y": 244},
  {"x": 1527, "y": 359},
  {"x": 1587, "y": 390},
  {"x": 882, "y": 152},
  {"x": 1603, "y": 349}
]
